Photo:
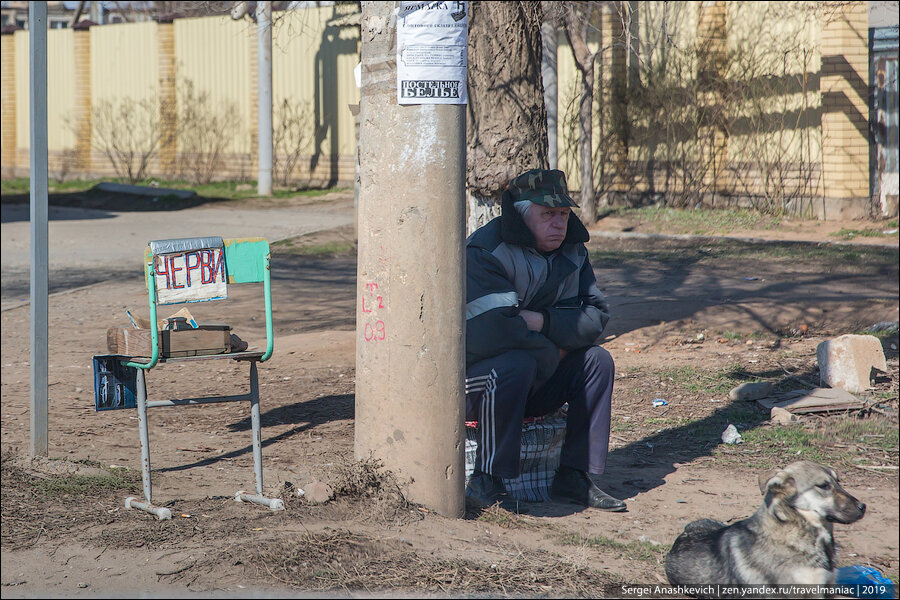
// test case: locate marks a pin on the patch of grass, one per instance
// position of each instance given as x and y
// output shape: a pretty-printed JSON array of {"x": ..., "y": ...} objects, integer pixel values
[
  {"x": 229, "y": 190},
  {"x": 607, "y": 256},
  {"x": 743, "y": 415},
  {"x": 636, "y": 550},
  {"x": 811, "y": 253},
  {"x": 292, "y": 246},
  {"x": 14, "y": 185},
  {"x": 672, "y": 421},
  {"x": 733, "y": 335},
  {"x": 885, "y": 395},
  {"x": 622, "y": 426},
  {"x": 839, "y": 440},
  {"x": 85, "y": 485},
  {"x": 702, "y": 381},
  {"x": 711, "y": 252},
  {"x": 849, "y": 234},
  {"x": 22, "y": 185},
  {"x": 234, "y": 190},
  {"x": 81, "y": 485},
  {"x": 737, "y": 335},
  {"x": 881, "y": 333},
  {"x": 698, "y": 220}
]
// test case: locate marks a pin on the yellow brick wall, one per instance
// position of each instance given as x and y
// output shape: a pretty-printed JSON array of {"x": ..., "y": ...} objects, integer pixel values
[
  {"x": 82, "y": 113},
  {"x": 167, "y": 98},
  {"x": 845, "y": 113},
  {"x": 8, "y": 102},
  {"x": 712, "y": 36},
  {"x": 313, "y": 62},
  {"x": 253, "y": 103}
]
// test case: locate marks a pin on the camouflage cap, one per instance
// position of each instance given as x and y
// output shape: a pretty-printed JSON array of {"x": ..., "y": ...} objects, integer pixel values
[{"x": 542, "y": 186}]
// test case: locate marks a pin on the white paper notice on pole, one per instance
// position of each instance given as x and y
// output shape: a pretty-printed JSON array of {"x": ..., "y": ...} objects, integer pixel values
[{"x": 431, "y": 52}]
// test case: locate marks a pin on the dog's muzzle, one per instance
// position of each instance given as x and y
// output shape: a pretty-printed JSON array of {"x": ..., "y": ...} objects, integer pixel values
[{"x": 851, "y": 514}]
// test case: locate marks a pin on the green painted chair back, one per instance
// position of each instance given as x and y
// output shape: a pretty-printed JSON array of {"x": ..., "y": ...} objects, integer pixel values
[{"x": 246, "y": 261}]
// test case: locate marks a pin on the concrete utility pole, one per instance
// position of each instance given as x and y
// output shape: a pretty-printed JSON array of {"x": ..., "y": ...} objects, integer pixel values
[
  {"x": 37, "y": 42},
  {"x": 96, "y": 12},
  {"x": 410, "y": 360},
  {"x": 264, "y": 98},
  {"x": 549, "y": 44}
]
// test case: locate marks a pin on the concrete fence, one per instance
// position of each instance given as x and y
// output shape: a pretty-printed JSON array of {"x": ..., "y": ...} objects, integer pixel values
[{"x": 161, "y": 73}]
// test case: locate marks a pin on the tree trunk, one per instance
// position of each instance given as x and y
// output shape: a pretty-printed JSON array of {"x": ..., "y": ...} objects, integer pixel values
[
  {"x": 507, "y": 123},
  {"x": 576, "y": 22},
  {"x": 549, "y": 68}
]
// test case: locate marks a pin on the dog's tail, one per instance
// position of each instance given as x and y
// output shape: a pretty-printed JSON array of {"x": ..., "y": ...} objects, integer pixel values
[{"x": 703, "y": 526}]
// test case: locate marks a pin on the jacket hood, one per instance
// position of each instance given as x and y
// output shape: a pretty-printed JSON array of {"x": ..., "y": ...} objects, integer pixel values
[{"x": 513, "y": 229}]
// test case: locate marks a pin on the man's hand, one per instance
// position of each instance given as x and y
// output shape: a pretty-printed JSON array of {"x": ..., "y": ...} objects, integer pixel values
[{"x": 533, "y": 320}]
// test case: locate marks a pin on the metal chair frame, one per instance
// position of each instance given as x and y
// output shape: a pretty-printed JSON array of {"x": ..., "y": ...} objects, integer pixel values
[{"x": 246, "y": 261}]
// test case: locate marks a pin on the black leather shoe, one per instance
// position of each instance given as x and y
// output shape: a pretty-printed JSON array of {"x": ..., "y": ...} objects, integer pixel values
[
  {"x": 486, "y": 489},
  {"x": 574, "y": 486}
]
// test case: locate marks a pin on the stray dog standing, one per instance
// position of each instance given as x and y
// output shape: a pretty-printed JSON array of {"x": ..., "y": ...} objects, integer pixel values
[{"x": 787, "y": 541}]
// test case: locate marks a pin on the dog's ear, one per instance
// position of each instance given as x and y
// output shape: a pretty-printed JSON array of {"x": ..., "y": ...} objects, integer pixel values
[
  {"x": 779, "y": 483},
  {"x": 778, "y": 487},
  {"x": 764, "y": 480}
]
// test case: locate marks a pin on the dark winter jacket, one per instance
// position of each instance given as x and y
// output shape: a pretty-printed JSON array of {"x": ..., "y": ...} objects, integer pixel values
[{"x": 506, "y": 273}]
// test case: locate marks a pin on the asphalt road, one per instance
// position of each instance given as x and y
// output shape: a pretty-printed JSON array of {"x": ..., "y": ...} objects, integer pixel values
[{"x": 87, "y": 246}]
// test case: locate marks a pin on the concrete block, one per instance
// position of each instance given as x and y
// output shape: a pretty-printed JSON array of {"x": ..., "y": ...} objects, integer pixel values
[
  {"x": 751, "y": 391},
  {"x": 781, "y": 416},
  {"x": 846, "y": 361},
  {"x": 318, "y": 492}
]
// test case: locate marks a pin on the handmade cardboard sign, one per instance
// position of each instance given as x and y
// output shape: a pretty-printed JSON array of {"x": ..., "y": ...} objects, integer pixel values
[{"x": 191, "y": 276}]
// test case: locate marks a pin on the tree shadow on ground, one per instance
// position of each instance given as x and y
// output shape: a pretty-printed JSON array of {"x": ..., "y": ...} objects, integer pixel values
[
  {"x": 308, "y": 414},
  {"x": 17, "y": 284},
  {"x": 644, "y": 464},
  {"x": 99, "y": 200},
  {"x": 648, "y": 283}
]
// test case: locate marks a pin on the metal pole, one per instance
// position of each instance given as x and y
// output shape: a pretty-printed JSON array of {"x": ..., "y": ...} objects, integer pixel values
[
  {"x": 37, "y": 42},
  {"x": 549, "y": 44},
  {"x": 264, "y": 98},
  {"x": 144, "y": 432},
  {"x": 410, "y": 359},
  {"x": 254, "y": 421}
]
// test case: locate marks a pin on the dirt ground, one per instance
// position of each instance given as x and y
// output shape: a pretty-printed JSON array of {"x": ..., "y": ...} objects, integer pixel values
[{"x": 691, "y": 319}]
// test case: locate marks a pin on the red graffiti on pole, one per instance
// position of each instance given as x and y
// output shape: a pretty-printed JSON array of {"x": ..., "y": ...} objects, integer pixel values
[{"x": 373, "y": 331}]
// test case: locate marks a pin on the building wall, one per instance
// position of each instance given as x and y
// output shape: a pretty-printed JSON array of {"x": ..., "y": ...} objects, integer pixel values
[
  {"x": 726, "y": 103},
  {"x": 8, "y": 103},
  {"x": 313, "y": 61},
  {"x": 730, "y": 104},
  {"x": 845, "y": 110}
]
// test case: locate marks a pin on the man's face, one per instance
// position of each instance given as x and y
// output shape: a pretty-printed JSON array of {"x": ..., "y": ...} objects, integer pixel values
[{"x": 548, "y": 225}]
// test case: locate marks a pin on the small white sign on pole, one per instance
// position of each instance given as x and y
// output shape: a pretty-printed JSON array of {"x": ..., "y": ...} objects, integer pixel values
[
  {"x": 194, "y": 276},
  {"x": 431, "y": 52}
]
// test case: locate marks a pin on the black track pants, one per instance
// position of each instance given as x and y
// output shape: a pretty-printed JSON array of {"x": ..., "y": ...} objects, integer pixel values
[{"x": 497, "y": 396}]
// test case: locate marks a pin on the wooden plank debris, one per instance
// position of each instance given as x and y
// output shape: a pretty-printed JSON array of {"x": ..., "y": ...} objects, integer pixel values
[{"x": 814, "y": 400}]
